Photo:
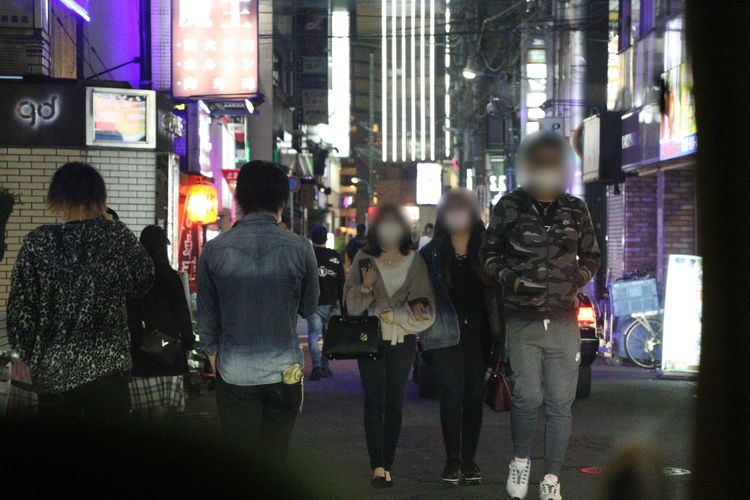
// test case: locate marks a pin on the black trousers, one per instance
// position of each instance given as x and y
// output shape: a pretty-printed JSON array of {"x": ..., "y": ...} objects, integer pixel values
[
  {"x": 384, "y": 382},
  {"x": 259, "y": 419},
  {"x": 460, "y": 371},
  {"x": 105, "y": 401}
]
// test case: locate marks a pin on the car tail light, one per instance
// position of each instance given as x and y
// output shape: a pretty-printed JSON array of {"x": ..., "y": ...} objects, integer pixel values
[{"x": 586, "y": 316}]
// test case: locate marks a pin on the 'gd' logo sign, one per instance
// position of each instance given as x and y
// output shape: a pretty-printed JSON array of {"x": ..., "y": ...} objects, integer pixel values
[{"x": 30, "y": 110}]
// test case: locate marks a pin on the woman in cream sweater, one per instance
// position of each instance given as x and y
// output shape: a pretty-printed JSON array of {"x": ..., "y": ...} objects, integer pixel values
[{"x": 388, "y": 279}]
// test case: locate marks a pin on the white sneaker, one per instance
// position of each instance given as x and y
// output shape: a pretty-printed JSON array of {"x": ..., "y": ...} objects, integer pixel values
[
  {"x": 517, "y": 484},
  {"x": 549, "y": 489}
]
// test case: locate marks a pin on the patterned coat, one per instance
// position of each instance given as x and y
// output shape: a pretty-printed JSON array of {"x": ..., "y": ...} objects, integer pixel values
[
  {"x": 552, "y": 263},
  {"x": 66, "y": 308}
]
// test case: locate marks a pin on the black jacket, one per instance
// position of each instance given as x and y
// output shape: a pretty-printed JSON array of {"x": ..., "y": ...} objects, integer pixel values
[
  {"x": 331, "y": 275},
  {"x": 164, "y": 307}
]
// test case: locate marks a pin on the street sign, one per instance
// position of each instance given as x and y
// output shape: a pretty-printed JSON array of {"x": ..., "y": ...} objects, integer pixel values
[{"x": 294, "y": 183}]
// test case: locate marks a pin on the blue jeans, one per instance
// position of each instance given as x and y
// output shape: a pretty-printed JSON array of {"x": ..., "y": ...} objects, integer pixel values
[{"x": 316, "y": 327}]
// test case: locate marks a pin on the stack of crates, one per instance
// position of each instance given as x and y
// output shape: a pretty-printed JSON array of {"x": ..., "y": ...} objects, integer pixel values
[{"x": 634, "y": 297}]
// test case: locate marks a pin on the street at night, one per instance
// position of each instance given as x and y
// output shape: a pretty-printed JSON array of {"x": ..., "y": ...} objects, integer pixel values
[
  {"x": 625, "y": 403},
  {"x": 351, "y": 249}
]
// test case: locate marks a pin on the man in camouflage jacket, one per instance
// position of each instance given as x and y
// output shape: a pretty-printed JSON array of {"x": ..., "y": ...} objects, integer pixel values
[{"x": 541, "y": 249}]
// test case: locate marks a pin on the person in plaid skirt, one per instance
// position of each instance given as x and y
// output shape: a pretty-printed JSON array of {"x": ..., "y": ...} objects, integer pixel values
[{"x": 157, "y": 390}]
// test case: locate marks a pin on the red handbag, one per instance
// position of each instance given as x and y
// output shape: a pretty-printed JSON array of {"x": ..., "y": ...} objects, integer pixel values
[{"x": 498, "y": 395}]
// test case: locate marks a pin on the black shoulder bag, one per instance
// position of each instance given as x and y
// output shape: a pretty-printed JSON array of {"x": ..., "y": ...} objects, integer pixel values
[{"x": 157, "y": 345}]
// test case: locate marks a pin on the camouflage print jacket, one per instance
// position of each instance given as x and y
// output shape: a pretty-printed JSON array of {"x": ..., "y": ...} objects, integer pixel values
[{"x": 552, "y": 264}]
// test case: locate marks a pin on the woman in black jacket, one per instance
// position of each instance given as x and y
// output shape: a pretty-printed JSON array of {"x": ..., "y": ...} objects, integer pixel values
[
  {"x": 466, "y": 328},
  {"x": 157, "y": 387}
]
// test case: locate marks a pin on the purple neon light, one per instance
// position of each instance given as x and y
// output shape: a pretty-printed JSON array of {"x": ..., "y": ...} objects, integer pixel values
[{"x": 80, "y": 7}]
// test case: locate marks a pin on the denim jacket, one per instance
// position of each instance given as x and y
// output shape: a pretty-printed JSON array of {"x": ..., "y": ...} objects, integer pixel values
[
  {"x": 446, "y": 332},
  {"x": 252, "y": 283}
]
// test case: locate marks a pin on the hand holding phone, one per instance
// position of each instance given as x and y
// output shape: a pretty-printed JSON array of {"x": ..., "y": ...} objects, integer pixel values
[{"x": 368, "y": 273}]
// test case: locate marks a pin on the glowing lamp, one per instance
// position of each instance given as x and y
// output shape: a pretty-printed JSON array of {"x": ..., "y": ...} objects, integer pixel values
[{"x": 202, "y": 204}]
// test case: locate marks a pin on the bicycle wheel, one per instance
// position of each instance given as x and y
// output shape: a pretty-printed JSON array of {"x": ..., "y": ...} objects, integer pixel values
[{"x": 642, "y": 347}]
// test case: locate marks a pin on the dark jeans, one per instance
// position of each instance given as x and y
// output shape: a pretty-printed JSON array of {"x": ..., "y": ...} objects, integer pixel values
[
  {"x": 105, "y": 401},
  {"x": 459, "y": 371},
  {"x": 384, "y": 382},
  {"x": 259, "y": 419}
]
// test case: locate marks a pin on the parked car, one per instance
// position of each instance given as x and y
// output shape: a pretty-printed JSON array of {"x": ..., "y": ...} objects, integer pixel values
[{"x": 589, "y": 345}]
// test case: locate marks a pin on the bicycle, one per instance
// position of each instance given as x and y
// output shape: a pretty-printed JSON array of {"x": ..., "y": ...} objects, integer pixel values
[
  {"x": 643, "y": 339},
  {"x": 634, "y": 296}
]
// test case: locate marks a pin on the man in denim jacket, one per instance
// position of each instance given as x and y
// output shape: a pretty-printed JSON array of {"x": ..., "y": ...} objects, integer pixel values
[{"x": 252, "y": 283}]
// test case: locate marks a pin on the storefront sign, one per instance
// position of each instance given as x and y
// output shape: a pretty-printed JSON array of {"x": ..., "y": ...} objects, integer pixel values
[
  {"x": 231, "y": 175},
  {"x": 679, "y": 135},
  {"x": 682, "y": 314},
  {"x": 312, "y": 63},
  {"x": 214, "y": 48},
  {"x": 429, "y": 183},
  {"x": 640, "y": 137},
  {"x": 42, "y": 115},
  {"x": 120, "y": 118}
]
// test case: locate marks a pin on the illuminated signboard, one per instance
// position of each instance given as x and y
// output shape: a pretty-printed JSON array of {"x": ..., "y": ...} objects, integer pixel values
[
  {"x": 679, "y": 135},
  {"x": 214, "y": 48},
  {"x": 682, "y": 314},
  {"x": 429, "y": 183},
  {"x": 120, "y": 118}
]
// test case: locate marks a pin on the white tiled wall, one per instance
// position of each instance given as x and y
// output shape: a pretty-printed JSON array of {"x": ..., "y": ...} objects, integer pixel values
[{"x": 129, "y": 176}]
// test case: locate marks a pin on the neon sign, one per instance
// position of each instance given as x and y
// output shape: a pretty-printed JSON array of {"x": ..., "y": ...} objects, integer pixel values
[{"x": 215, "y": 48}]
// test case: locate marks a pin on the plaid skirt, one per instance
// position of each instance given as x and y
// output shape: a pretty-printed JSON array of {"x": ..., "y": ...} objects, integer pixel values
[{"x": 155, "y": 392}]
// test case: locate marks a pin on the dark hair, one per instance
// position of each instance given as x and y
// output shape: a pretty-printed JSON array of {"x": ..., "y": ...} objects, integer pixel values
[
  {"x": 361, "y": 229},
  {"x": 319, "y": 235},
  {"x": 442, "y": 239},
  {"x": 542, "y": 139},
  {"x": 261, "y": 187},
  {"x": 154, "y": 240},
  {"x": 372, "y": 247},
  {"x": 77, "y": 184}
]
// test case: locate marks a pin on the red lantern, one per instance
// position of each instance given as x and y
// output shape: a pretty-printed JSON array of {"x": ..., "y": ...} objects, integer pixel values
[{"x": 202, "y": 204}]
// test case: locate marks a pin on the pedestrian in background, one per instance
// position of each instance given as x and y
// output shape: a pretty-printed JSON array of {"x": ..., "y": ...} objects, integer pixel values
[
  {"x": 355, "y": 245},
  {"x": 331, "y": 276},
  {"x": 426, "y": 237},
  {"x": 467, "y": 326},
  {"x": 157, "y": 389},
  {"x": 253, "y": 281},
  {"x": 66, "y": 308},
  {"x": 541, "y": 249},
  {"x": 388, "y": 280}
]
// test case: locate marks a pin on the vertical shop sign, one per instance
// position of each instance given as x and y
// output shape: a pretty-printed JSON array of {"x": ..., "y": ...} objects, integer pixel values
[
  {"x": 312, "y": 62},
  {"x": 214, "y": 48},
  {"x": 189, "y": 245}
]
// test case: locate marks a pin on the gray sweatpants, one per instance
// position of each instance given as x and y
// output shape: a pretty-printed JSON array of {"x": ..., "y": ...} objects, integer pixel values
[{"x": 543, "y": 369}]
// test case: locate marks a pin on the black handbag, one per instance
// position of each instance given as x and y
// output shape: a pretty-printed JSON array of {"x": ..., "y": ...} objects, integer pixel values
[
  {"x": 352, "y": 337},
  {"x": 159, "y": 346}
]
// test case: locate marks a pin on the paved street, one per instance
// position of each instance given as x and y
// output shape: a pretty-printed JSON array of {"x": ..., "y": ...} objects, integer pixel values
[{"x": 625, "y": 402}]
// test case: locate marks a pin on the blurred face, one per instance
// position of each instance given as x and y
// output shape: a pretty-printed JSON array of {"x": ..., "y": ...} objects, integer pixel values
[
  {"x": 458, "y": 217},
  {"x": 390, "y": 232},
  {"x": 545, "y": 172}
]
